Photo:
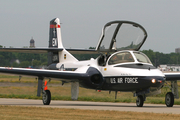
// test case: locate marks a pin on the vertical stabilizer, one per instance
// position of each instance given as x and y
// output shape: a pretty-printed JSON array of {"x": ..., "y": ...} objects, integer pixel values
[{"x": 55, "y": 41}]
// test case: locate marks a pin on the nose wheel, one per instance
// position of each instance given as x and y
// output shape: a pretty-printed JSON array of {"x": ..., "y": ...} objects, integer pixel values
[
  {"x": 139, "y": 101},
  {"x": 169, "y": 99}
]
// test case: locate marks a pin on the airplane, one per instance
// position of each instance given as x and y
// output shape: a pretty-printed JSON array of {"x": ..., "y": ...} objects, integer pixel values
[{"x": 120, "y": 65}]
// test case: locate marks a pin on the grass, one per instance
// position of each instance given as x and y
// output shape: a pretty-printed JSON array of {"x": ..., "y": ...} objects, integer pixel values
[{"x": 24, "y": 113}]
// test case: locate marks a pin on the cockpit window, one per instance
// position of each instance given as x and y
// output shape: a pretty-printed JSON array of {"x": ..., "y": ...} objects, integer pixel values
[
  {"x": 142, "y": 58},
  {"x": 121, "y": 57}
]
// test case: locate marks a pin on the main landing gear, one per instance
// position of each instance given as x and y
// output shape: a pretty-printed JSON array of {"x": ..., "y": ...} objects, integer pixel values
[
  {"x": 46, "y": 94},
  {"x": 170, "y": 96},
  {"x": 46, "y": 97},
  {"x": 169, "y": 99},
  {"x": 42, "y": 87}
]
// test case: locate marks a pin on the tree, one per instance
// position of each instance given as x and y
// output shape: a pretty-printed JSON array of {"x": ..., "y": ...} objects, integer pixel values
[
  {"x": 92, "y": 47},
  {"x": 36, "y": 63},
  {"x": 24, "y": 64},
  {"x": 15, "y": 64}
]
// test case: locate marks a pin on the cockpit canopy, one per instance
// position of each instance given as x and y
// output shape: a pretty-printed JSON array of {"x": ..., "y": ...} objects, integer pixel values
[
  {"x": 121, "y": 57},
  {"x": 121, "y": 35},
  {"x": 125, "y": 57}
]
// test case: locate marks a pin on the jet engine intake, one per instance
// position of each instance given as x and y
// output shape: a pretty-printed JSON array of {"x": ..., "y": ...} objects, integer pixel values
[
  {"x": 96, "y": 79},
  {"x": 93, "y": 79}
]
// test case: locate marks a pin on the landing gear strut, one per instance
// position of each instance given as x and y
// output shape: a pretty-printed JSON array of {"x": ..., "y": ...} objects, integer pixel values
[
  {"x": 169, "y": 99},
  {"x": 140, "y": 101}
]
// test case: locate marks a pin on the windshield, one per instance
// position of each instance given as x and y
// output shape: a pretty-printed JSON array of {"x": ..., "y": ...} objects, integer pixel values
[
  {"x": 121, "y": 57},
  {"x": 142, "y": 57}
]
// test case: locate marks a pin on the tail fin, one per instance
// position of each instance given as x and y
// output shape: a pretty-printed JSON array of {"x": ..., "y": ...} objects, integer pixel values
[{"x": 55, "y": 41}]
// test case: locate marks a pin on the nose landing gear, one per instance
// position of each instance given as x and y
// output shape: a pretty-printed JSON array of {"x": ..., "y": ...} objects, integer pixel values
[{"x": 140, "y": 101}]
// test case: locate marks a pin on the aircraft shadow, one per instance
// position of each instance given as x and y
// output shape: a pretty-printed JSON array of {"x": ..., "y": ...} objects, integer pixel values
[{"x": 119, "y": 106}]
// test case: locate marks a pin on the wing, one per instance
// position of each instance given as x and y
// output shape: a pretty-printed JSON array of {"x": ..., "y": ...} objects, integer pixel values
[
  {"x": 172, "y": 76},
  {"x": 41, "y": 73},
  {"x": 88, "y": 74},
  {"x": 45, "y": 50}
]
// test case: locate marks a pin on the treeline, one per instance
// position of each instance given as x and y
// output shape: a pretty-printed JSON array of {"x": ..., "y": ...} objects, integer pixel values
[
  {"x": 13, "y": 59},
  {"x": 25, "y": 60},
  {"x": 158, "y": 58}
]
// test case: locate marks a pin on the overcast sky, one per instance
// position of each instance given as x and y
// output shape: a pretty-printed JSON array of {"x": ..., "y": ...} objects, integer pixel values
[{"x": 82, "y": 21}]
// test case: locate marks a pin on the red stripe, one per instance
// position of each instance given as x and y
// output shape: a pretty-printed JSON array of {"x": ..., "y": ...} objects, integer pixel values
[{"x": 54, "y": 26}]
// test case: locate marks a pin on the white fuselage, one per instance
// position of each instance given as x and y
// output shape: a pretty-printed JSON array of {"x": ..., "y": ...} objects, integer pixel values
[{"x": 112, "y": 70}]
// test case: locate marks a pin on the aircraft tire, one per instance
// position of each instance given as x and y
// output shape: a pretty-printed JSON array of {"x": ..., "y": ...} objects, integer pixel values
[
  {"x": 139, "y": 101},
  {"x": 46, "y": 97},
  {"x": 169, "y": 99}
]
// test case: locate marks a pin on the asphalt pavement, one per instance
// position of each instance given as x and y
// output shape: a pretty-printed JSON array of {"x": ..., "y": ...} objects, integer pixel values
[{"x": 153, "y": 108}]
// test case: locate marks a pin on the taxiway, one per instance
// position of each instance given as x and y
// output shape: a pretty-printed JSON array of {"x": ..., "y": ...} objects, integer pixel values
[{"x": 153, "y": 108}]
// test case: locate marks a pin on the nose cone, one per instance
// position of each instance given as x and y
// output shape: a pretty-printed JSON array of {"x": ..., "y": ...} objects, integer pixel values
[
  {"x": 158, "y": 80},
  {"x": 151, "y": 78}
]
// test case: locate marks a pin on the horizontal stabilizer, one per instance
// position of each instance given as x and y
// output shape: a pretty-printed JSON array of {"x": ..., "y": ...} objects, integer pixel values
[{"x": 30, "y": 50}]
